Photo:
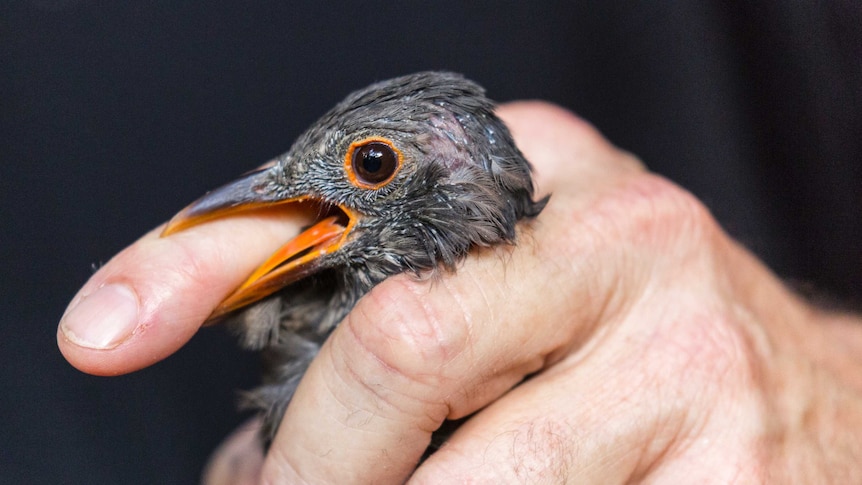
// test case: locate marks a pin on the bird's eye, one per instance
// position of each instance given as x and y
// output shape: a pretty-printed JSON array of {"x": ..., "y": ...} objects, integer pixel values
[{"x": 371, "y": 163}]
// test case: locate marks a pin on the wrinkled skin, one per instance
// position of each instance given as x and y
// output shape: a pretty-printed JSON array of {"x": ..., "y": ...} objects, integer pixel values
[{"x": 660, "y": 350}]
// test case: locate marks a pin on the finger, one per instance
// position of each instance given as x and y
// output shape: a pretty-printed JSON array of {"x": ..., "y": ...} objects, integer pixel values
[
  {"x": 567, "y": 153},
  {"x": 238, "y": 460},
  {"x": 556, "y": 427},
  {"x": 413, "y": 353},
  {"x": 657, "y": 402},
  {"x": 149, "y": 300}
]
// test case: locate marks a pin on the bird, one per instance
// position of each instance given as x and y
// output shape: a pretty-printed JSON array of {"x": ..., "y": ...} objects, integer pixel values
[{"x": 406, "y": 175}]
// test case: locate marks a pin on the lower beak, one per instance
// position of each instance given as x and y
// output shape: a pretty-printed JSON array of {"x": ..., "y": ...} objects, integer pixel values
[{"x": 300, "y": 257}]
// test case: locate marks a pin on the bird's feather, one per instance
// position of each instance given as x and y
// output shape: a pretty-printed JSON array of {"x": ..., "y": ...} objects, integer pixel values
[{"x": 463, "y": 183}]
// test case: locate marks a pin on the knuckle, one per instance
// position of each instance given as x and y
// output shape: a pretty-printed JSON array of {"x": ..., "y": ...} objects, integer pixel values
[
  {"x": 531, "y": 450},
  {"x": 541, "y": 452},
  {"x": 649, "y": 211},
  {"x": 202, "y": 262},
  {"x": 407, "y": 332},
  {"x": 172, "y": 261},
  {"x": 656, "y": 203},
  {"x": 165, "y": 271},
  {"x": 710, "y": 353}
]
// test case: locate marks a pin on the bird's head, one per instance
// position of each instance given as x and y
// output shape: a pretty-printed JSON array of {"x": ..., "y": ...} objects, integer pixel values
[{"x": 403, "y": 175}]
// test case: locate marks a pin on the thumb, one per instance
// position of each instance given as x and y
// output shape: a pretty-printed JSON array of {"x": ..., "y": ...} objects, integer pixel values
[{"x": 150, "y": 299}]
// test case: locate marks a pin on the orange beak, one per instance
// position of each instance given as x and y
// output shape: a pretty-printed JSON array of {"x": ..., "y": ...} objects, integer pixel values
[{"x": 298, "y": 258}]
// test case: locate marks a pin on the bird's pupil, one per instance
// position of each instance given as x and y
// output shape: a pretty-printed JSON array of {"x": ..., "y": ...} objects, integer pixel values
[{"x": 374, "y": 163}]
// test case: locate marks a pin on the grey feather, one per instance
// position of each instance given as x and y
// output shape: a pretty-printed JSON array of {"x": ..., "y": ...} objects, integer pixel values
[{"x": 463, "y": 184}]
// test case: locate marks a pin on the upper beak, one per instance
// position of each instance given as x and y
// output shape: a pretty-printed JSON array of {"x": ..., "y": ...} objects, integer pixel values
[{"x": 298, "y": 258}]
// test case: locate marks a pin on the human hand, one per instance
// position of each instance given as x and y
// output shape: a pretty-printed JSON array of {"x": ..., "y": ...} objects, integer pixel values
[{"x": 659, "y": 349}]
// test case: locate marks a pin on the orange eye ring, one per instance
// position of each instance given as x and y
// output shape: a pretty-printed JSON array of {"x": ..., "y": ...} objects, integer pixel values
[{"x": 372, "y": 162}]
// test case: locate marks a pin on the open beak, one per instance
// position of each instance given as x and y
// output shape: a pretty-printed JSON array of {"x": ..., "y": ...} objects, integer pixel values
[{"x": 298, "y": 258}]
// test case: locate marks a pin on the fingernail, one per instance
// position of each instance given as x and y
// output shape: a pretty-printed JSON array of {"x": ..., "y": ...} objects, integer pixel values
[{"x": 103, "y": 319}]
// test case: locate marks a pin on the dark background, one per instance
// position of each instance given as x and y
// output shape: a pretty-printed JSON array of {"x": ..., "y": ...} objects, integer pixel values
[{"x": 113, "y": 115}]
